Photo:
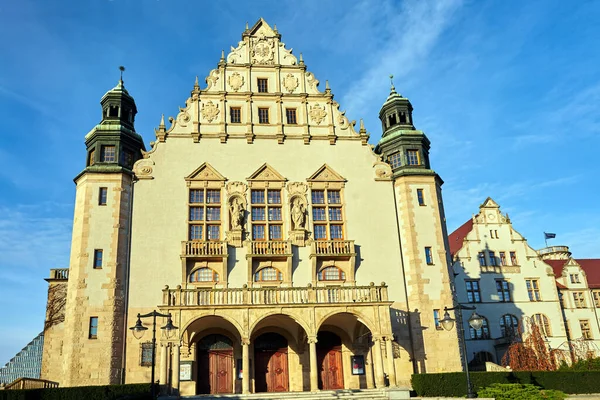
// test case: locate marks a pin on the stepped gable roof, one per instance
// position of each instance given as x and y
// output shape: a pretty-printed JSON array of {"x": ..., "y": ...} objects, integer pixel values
[
  {"x": 591, "y": 267},
  {"x": 457, "y": 237}
]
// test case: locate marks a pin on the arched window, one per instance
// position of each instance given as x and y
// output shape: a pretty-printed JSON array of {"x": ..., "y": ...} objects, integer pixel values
[
  {"x": 331, "y": 274},
  {"x": 509, "y": 325},
  {"x": 481, "y": 333},
  {"x": 543, "y": 324},
  {"x": 204, "y": 275},
  {"x": 268, "y": 274}
]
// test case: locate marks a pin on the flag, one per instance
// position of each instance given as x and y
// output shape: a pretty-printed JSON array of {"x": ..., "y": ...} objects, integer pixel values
[{"x": 549, "y": 235}]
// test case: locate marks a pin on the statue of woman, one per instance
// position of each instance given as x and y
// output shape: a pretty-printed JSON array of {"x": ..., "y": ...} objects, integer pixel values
[
  {"x": 237, "y": 214},
  {"x": 298, "y": 214}
]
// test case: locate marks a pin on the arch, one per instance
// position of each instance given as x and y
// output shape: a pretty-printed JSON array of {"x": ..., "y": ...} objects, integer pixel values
[
  {"x": 271, "y": 273},
  {"x": 296, "y": 319},
  {"x": 203, "y": 274},
  {"x": 481, "y": 333},
  {"x": 359, "y": 317},
  {"x": 184, "y": 330},
  {"x": 543, "y": 323},
  {"x": 509, "y": 325},
  {"x": 331, "y": 273}
]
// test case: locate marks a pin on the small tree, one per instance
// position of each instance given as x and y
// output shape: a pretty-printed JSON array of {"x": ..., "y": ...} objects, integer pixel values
[{"x": 529, "y": 352}]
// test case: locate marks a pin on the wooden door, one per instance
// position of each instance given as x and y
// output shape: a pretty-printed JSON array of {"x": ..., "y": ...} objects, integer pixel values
[
  {"x": 271, "y": 371},
  {"x": 332, "y": 375},
  {"x": 221, "y": 371}
]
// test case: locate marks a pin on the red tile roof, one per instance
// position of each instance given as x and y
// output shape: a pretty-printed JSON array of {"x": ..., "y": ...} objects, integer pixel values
[
  {"x": 456, "y": 238},
  {"x": 591, "y": 267}
]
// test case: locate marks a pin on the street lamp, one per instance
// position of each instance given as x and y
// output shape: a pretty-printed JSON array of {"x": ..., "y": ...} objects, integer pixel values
[
  {"x": 138, "y": 331},
  {"x": 475, "y": 321}
]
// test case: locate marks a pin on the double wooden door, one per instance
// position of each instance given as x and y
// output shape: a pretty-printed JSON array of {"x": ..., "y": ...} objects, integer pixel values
[
  {"x": 331, "y": 375},
  {"x": 215, "y": 372},
  {"x": 271, "y": 371}
]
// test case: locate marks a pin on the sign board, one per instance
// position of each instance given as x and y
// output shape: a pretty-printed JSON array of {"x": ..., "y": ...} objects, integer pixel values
[{"x": 185, "y": 371}]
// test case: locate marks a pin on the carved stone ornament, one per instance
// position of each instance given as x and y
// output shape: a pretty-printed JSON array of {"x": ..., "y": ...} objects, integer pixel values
[
  {"x": 298, "y": 213},
  {"x": 236, "y": 81},
  {"x": 184, "y": 117},
  {"x": 143, "y": 168},
  {"x": 317, "y": 113},
  {"x": 297, "y": 188},
  {"x": 262, "y": 51},
  {"x": 236, "y": 208},
  {"x": 209, "y": 111},
  {"x": 237, "y": 188},
  {"x": 383, "y": 171},
  {"x": 290, "y": 82}
]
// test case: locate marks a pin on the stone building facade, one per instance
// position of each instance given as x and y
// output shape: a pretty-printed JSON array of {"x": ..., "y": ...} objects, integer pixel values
[
  {"x": 509, "y": 283},
  {"x": 291, "y": 254}
]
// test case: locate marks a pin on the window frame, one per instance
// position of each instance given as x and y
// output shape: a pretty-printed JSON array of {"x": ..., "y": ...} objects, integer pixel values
[
  {"x": 291, "y": 116},
  {"x": 97, "y": 262},
  {"x": 91, "y": 157},
  {"x": 409, "y": 157},
  {"x": 513, "y": 258},
  {"x": 235, "y": 111},
  {"x": 103, "y": 196},
  {"x": 108, "y": 157},
  {"x": 395, "y": 160},
  {"x": 579, "y": 299},
  {"x": 482, "y": 333},
  {"x": 596, "y": 298},
  {"x": 206, "y": 225},
  {"x": 475, "y": 292},
  {"x": 543, "y": 323},
  {"x": 514, "y": 328},
  {"x": 93, "y": 327},
  {"x": 533, "y": 289},
  {"x": 262, "y": 112},
  {"x": 259, "y": 274},
  {"x": 420, "y": 197},
  {"x": 429, "y": 256},
  {"x": 196, "y": 272},
  {"x": 260, "y": 200},
  {"x": 321, "y": 276},
  {"x": 586, "y": 333},
  {"x": 437, "y": 319},
  {"x": 503, "y": 293},
  {"x": 262, "y": 85},
  {"x": 328, "y": 223}
]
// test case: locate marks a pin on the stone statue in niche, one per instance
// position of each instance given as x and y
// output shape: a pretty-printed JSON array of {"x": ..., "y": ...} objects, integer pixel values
[
  {"x": 298, "y": 217},
  {"x": 237, "y": 214}
]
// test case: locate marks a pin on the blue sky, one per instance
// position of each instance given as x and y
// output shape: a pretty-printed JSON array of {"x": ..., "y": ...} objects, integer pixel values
[{"x": 507, "y": 91}]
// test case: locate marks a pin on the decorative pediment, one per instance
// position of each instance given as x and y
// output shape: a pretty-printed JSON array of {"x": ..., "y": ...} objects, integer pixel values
[
  {"x": 262, "y": 28},
  {"x": 205, "y": 172},
  {"x": 326, "y": 174},
  {"x": 572, "y": 263},
  {"x": 266, "y": 173},
  {"x": 489, "y": 203}
]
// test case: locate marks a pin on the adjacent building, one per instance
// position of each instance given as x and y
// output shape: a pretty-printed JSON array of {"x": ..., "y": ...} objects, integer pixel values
[{"x": 291, "y": 254}]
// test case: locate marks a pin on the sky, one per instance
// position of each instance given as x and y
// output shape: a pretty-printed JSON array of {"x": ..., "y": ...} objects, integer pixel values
[{"x": 507, "y": 91}]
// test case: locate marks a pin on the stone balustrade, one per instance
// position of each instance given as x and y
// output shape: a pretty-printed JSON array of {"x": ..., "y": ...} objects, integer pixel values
[
  {"x": 333, "y": 247},
  {"x": 203, "y": 248},
  {"x": 274, "y": 296},
  {"x": 269, "y": 248},
  {"x": 553, "y": 249}
]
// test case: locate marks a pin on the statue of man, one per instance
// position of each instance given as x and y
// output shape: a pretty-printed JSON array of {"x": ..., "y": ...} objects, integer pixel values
[
  {"x": 237, "y": 214},
  {"x": 298, "y": 214}
]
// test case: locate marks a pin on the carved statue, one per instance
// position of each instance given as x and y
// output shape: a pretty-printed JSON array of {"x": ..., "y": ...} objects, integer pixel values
[
  {"x": 298, "y": 214},
  {"x": 237, "y": 213}
]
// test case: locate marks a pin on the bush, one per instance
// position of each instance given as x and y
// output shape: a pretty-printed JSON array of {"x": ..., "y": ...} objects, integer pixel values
[
  {"x": 518, "y": 391},
  {"x": 111, "y": 392},
  {"x": 589, "y": 364},
  {"x": 454, "y": 383}
]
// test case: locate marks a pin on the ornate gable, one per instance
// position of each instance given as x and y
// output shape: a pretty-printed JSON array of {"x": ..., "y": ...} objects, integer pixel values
[
  {"x": 489, "y": 213},
  {"x": 205, "y": 172},
  {"x": 266, "y": 173},
  {"x": 489, "y": 203},
  {"x": 326, "y": 174}
]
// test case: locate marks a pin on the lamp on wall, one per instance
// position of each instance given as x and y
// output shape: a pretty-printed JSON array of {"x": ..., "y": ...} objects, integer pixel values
[
  {"x": 476, "y": 322},
  {"x": 139, "y": 329}
]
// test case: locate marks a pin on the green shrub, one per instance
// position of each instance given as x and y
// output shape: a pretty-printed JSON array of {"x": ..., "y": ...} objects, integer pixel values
[
  {"x": 454, "y": 383},
  {"x": 591, "y": 364},
  {"x": 111, "y": 392},
  {"x": 518, "y": 391}
]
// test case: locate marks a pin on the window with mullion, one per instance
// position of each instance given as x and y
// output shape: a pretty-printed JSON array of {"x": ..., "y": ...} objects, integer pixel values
[
  {"x": 204, "y": 214},
  {"x": 503, "y": 290},
  {"x": 258, "y": 232},
  {"x": 473, "y": 292},
  {"x": 258, "y": 213},
  {"x": 327, "y": 214},
  {"x": 275, "y": 232},
  {"x": 266, "y": 209}
]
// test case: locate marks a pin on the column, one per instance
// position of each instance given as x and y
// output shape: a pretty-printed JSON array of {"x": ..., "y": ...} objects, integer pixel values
[
  {"x": 314, "y": 372},
  {"x": 389, "y": 350},
  {"x": 378, "y": 362},
  {"x": 175, "y": 363},
  {"x": 369, "y": 370},
  {"x": 162, "y": 376},
  {"x": 245, "y": 366}
]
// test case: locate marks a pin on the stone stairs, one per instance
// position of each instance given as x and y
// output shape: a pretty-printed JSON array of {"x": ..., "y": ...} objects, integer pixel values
[{"x": 345, "y": 394}]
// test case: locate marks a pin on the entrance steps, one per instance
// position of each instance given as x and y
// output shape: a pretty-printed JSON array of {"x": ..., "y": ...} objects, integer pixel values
[{"x": 344, "y": 394}]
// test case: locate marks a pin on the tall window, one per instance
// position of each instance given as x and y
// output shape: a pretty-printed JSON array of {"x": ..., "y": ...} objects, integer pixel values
[
  {"x": 481, "y": 333},
  {"x": 102, "y": 195},
  {"x": 586, "y": 331},
  {"x": 420, "y": 197},
  {"x": 235, "y": 115},
  {"x": 428, "y": 256},
  {"x": 574, "y": 278},
  {"x": 579, "y": 300},
  {"x": 331, "y": 274},
  {"x": 92, "y": 157},
  {"x": 395, "y": 160},
  {"x": 513, "y": 258},
  {"x": 481, "y": 257},
  {"x": 509, "y": 325},
  {"x": 98, "y": 258},
  {"x": 596, "y": 295},
  {"x": 503, "y": 258},
  {"x": 436, "y": 320},
  {"x": 204, "y": 275},
  {"x": 263, "y": 85},
  {"x": 473, "y": 291},
  {"x": 204, "y": 214},
  {"x": 290, "y": 114},
  {"x": 263, "y": 115},
  {"x": 412, "y": 157},
  {"x": 503, "y": 289},
  {"x": 327, "y": 214},
  {"x": 107, "y": 154},
  {"x": 493, "y": 261},
  {"x": 533, "y": 289},
  {"x": 543, "y": 324},
  {"x": 266, "y": 214},
  {"x": 93, "y": 332},
  {"x": 268, "y": 274},
  {"x": 146, "y": 354}
]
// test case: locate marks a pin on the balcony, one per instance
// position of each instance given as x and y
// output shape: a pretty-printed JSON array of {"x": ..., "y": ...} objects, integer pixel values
[
  {"x": 206, "y": 249},
  {"x": 269, "y": 248},
  {"x": 59, "y": 274},
  {"x": 299, "y": 296},
  {"x": 333, "y": 248},
  {"x": 553, "y": 249}
]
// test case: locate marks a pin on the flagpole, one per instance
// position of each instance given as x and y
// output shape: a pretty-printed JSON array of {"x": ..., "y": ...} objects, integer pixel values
[{"x": 546, "y": 239}]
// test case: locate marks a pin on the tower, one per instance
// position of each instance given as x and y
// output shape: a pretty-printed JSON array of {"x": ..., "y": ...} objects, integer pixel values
[
  {"x": 98, "y": 269},
  {"x": 423, "y": 236}
]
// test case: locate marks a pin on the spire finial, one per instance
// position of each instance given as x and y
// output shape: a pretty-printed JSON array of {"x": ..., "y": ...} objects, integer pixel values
[
  {"x": 196, "y": 85},
  {"x": 327, "y": 84},
  {"x": 301, "y": 59},
  {"x": 393, "y": 88},
  {"x": 121, "y": 68},
  {"x": 246, "y": 25},
  {"x": 275, "y": 28},
  {"x": 162, "y": 121},
  {"x": 222, "y": 55},
  {"x": 362, "y": 126}
]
